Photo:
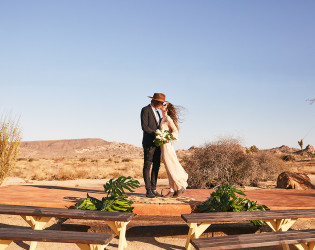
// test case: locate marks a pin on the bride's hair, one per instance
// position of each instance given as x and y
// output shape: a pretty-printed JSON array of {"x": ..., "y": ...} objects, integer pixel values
[{"x": 173, "y": 112}]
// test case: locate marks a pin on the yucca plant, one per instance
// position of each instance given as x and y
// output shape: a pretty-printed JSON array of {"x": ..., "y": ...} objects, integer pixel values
[{"x": 225, "y": 199}]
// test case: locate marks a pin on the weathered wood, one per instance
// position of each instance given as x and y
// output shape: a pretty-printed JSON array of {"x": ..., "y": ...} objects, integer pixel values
[
  {"x": 65, "y": 213},
  {"x": 37, "y": 217},
  {"x": 248, "y": 215},
  {"x": 54, "y": 236},
  {"x": 257, "y": 240}
]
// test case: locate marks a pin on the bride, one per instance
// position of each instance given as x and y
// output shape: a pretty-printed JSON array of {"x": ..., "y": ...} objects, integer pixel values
[{"x": 177, "y": 176}]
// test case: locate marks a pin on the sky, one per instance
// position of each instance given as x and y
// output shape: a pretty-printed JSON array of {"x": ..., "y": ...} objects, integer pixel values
[{"x": 72, "y": 69}]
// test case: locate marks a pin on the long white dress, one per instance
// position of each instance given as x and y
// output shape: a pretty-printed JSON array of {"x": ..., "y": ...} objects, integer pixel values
[{"x": 177, "y": 175}]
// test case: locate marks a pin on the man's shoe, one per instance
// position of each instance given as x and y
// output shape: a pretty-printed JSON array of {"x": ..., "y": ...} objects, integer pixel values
[
  {"x": 149, "y": 194},
  {"x": 156, "y": 193}
]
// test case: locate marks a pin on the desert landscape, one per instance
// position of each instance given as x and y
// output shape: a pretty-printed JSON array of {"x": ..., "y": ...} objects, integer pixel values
[{"x": 95, "y": 159}]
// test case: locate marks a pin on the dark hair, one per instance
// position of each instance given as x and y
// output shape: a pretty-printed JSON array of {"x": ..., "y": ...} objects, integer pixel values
[
  {"x": 173, "y": 113},
  {"x": 155, "y": 102}
]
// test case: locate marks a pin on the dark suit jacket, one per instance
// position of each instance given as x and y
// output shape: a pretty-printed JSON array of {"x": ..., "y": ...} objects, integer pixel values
[{"x": 149, "y": 125}]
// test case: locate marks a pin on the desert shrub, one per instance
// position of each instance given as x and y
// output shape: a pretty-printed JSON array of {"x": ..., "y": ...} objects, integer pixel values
[
  {"x": 10, "y": 138},
  {"x": 252, "y": 149},
  {"x": 83, "y": 159},
  {"x": 226, "y": 162},
  {"x": 288, "y": 158},
  {"x": 126, "y": 160}
]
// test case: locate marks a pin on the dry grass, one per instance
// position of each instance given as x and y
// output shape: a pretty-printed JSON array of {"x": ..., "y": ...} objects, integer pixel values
[{"x": 71, "y": 169}]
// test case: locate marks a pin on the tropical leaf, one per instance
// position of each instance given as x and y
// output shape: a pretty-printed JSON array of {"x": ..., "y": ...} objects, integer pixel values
[
  {"x": 117, "y": 187},
  {"x": 116, "y": 200}
]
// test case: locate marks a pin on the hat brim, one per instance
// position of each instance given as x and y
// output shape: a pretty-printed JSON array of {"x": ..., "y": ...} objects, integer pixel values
[{"x": 160, "y": 100}]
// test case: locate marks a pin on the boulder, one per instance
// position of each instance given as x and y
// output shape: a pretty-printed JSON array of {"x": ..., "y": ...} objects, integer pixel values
[
  {"x": 309, "y": 149},
  {"x": 298, "y": 181}
]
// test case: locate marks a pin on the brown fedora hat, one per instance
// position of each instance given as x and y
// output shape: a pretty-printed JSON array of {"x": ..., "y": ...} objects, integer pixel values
[{"x": 158, "y": 97}]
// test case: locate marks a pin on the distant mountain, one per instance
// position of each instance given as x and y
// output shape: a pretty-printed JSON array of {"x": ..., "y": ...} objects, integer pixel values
[{"x": 78, "y": 148}]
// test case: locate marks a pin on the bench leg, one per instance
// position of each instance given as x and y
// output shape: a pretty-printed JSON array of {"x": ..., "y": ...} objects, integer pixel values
[
  {"x": 91, "y": 246},
  {"x": 4, "y": 244},
  {"x": 303, "y": 246},
  {"x": 36, "y": 223},
  {"x": 120, "y": 229},
  {"x": 281, "y": 225},
  {"x": 194, "y": 232}
]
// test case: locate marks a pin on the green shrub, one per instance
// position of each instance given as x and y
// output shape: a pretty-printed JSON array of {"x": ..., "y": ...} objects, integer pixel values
[{"x": 225, "y": 199}]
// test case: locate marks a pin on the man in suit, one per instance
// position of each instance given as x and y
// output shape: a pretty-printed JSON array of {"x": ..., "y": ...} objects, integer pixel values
[{"x": 150, "y": 122}]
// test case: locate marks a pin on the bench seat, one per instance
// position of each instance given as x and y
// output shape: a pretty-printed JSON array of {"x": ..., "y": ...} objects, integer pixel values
[
  {"x": 38, "y": 217},
  {"x": 305, "y": 239},
  {"x": 84, "y": 240},
  {"x": 277, "y": 220}
]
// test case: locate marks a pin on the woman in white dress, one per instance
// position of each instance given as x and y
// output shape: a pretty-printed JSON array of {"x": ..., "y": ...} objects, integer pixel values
[{"x": 177, "y": 175}]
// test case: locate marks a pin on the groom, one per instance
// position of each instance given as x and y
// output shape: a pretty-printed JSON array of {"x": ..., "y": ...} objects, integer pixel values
[{"x": 150, "y": 122}]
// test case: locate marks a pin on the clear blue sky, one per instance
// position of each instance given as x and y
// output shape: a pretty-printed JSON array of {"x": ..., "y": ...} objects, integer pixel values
[{"x": 83, "y": 69}]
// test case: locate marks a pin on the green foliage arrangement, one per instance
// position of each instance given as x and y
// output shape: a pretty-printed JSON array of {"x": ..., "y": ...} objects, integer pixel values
[
  {"x": 225, "y": 199},
  {"x": 116, "y": 199}
]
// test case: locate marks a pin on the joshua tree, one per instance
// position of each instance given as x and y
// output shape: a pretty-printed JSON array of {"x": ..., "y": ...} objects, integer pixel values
[
  {"x": 301, "y": 144},
  {"x": 10, "y": 138}
]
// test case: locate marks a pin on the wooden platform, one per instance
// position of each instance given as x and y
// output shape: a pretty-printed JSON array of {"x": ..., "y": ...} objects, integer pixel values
[{"x": 56, "y": 196}]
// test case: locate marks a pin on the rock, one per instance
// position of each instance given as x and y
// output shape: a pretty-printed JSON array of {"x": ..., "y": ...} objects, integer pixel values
[
  {"x": 309, "y": 149},
  {"x": 298, "y": 181}
]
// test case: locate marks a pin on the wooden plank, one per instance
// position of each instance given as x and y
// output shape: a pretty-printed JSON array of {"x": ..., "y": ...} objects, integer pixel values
[
  {"x": 247, "y": 215},
  {"x": 255, "y": 240},
  {"x": 65, "y": 213},
  {"x": 54, "y": 236}
]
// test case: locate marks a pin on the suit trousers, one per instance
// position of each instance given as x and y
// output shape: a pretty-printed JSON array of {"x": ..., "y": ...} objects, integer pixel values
[{"x": 152, "y": 155}]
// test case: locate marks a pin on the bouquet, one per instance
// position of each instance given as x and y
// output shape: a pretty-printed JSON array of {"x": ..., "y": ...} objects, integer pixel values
[{"x": 162, "y": 137}]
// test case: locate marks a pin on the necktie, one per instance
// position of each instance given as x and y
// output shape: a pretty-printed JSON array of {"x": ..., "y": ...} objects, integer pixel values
[{"x": 158, "y": 115}]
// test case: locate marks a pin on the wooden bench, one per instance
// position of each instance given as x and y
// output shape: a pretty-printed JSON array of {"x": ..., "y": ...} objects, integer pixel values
[
  {"x": 84, "y": 240},
  {"x": 303, "y": 239},
  {"x": 38, "y": 217},
  {"x": 277, "y": 220}
]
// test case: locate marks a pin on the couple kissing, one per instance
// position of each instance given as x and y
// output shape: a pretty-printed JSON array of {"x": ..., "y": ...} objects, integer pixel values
[{"x": 151, "y": 121}]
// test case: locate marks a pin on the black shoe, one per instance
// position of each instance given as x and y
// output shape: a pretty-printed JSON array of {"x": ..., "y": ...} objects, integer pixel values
[
  {"x": 149, "y": 194},
  {"x": 156, "y": 193}
]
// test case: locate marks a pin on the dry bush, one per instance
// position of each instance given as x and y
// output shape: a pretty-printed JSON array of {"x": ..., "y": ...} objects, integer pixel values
[
  {"x": 68, "y": 169},
  {"x": 10, "y": 138},
  {"x": 226, "y": 162}
]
